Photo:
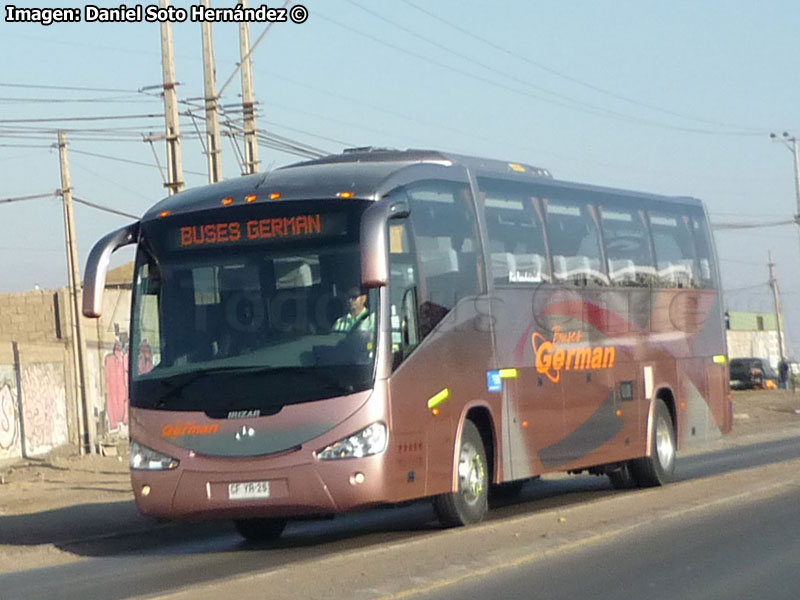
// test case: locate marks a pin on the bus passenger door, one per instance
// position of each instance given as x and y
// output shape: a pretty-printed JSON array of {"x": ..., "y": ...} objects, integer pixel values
[
  {"x": 533, "y": 406},
  {"x": 441, "y": 339}
]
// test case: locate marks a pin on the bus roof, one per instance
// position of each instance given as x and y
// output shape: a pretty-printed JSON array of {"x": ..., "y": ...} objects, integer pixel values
[{"x": 362, "y": 173}]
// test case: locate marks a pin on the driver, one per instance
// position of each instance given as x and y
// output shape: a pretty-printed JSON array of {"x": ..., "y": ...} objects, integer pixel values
[{"x": 358, "y": 316}]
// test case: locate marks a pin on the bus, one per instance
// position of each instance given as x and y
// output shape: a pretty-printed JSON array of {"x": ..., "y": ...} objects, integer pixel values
[{"x": 382, "y": 326}]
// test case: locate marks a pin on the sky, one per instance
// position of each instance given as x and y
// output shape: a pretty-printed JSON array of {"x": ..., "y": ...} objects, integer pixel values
[{"x": 674, "y": 98}]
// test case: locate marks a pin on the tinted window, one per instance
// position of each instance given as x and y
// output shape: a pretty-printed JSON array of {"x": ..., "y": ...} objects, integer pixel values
[
  {"x": 574, "y": 243},
  {"x": 627, "y": 243},
  {"x": 516, "y": 237},
  {"x": 676, "y": 264},
  {"x": 446, "y": 244},
  {"x": 705, "y": 253}
]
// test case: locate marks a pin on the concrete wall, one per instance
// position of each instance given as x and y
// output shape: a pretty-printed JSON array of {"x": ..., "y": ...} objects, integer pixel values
[
  {"x": 36, "y": 414},
  {"x": 39, "y": 323},
  {"x": 31, "y": 316},
  {"x": 9, "y": 416}
]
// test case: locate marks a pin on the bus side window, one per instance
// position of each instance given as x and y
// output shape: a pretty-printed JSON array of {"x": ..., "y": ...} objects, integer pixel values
[
  {"x": 446, "y": 241},
  {"x": 627, "y": 244},
  {"x": 705, "y": 255},
  {"x": 574, "y": 243},
  {"x": 516, "y": 239},
  {"x": 675, "y": 256}
]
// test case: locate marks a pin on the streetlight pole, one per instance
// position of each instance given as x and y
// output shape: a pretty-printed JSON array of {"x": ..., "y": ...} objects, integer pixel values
[
  {"x": 791, "y": 142},
  {"x": 788, "y": 139}
]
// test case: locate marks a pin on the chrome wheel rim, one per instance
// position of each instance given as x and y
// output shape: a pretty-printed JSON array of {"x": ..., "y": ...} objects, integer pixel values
[
  {"x": 470, "y": 474},
  {"x": 665, "y": 446}
]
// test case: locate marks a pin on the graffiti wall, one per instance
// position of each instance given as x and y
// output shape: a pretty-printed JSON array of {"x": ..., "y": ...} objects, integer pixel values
[
  {"x": 116, "y": 373},
  {"x": 44, "y": 407},
  {"x": 9, "y": 419}
]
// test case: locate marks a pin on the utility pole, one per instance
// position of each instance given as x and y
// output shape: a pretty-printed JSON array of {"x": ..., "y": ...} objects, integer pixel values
[
  {"x": 173, "y": 134},
  {"x": 773, "y": 283},
  {"x": 212, "y": 114},
  {"x": 248, "y": 99},
  {"x": 86, "y": 424}
]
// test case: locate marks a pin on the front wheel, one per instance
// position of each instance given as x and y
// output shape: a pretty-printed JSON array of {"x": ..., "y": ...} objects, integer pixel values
[
  {"x": 470, "y": 502},
  {"x": 260, "y": 530},
  {"x": 659, "y": 467}
]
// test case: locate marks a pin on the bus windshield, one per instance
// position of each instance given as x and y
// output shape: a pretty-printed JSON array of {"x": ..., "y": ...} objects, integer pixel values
[{"x": 250, "y": 328}]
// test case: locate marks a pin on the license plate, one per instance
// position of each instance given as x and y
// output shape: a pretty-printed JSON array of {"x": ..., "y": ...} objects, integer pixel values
[{"x": 248, "y": 490}]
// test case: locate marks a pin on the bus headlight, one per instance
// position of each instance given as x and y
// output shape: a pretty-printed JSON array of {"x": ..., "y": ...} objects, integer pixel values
[
  {"x": 147, "y": 459},
  {"x": 370, "y": 440}
]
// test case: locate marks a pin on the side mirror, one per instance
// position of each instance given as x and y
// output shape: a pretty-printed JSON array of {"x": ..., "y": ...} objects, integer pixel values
[
  {"x": 375, "y": 265},
  {"x": 94, "y": 280}
]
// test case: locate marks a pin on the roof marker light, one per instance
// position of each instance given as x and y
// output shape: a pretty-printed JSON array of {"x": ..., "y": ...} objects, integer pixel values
[
  {"x": 164, "y": 213},
  {"x": 227, "y": 201},
  {"x": 250, "y": 198},
  {"x": 275, "y": 196},
  {"x": 345, "y": 195}
]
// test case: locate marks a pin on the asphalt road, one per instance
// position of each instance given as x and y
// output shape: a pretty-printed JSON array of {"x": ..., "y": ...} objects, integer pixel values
[
  {"x": 741, "y": 552},
  {"x": 729, "y": 520}
]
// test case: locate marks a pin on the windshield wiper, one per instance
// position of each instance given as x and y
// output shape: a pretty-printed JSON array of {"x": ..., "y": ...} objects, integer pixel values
[
  {"x": 175, "y": 384},
  {"x": 325, "y": 380}
]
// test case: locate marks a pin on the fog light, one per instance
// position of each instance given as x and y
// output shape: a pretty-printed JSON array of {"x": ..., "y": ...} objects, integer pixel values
[
  {"x": 145, "y": 490},
  {"x": 357, "y": 478}
]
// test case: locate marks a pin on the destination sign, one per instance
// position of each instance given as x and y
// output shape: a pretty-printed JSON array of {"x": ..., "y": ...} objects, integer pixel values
[{"x": 261, "y": 230}]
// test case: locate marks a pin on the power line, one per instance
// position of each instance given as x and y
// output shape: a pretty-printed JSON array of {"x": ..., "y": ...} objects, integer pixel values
[
  {"x": 570, "y": 104},
  {"x": 93, "y": 118},
  {"x": 76, "y": 199},
  {"x": 64, "y": 87},
  {"x": 23, "y": 198},
  {"x": 565, "y": 76},
  {"x": 727, "y": 226},
  {"x": 745, "y": 288},
  {"x": 46, "y": 146},
  {"x": 249, "y": 54},
  {"x": 124, "y": 160},
  {"x": 104, "y": 208},
  {"x": 350, "y": 100},
  {"x": 272, "y": 140},
  {"x": 474, "y": 61},
  {"x": 128, "y": 99}
]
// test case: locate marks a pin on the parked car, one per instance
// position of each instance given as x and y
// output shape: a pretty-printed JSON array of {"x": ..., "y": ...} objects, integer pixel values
[{"x": 753, "y": 374}]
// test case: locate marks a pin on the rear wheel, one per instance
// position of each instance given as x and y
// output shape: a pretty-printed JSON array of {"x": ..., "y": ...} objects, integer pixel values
[
  {"x": 260, "y": 530},
  {"x": 659, "y": 467},
  {"x": 469, "y": 503}
]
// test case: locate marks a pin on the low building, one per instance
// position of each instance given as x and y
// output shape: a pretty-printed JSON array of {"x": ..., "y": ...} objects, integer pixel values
[{"x": 753, "y": 334}]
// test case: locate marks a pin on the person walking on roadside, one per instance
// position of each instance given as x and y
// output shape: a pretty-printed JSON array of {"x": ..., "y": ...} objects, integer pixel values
[{"x": 783, "y": 374}]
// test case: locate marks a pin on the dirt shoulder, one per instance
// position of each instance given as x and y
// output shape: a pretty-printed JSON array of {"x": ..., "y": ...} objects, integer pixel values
[
  {"x": 762, "y": 411},
  {"x": 63, "y": 478}
]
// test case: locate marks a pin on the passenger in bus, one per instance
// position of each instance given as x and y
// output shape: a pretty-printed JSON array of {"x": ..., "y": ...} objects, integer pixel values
[{"x": 358, "y": 316}]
